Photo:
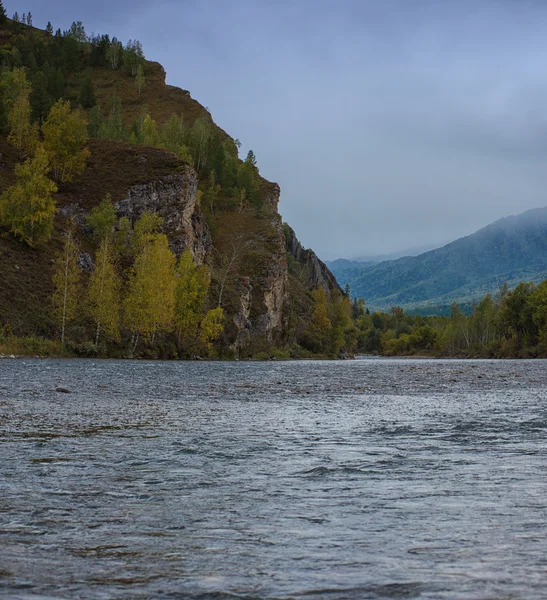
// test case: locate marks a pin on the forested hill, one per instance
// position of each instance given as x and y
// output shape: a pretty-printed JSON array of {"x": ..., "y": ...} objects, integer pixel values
[
  {"x": 129, "y": 224},
  {"x": 510, "y": 250}
]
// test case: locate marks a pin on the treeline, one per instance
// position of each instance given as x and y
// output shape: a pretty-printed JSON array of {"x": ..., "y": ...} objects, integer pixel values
[
  {"x": 512, "y": 324},
  {"x": 138, "y": 295},
  {"x": 60, "y": 66}
]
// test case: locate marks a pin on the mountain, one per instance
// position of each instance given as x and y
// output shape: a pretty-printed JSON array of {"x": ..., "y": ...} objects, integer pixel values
[
  {"x": 511, "y": 250},
  {"x": 343, "y": 264},
  {"x": 413, "y": 251},
  {"x": 152, "y": 147}
]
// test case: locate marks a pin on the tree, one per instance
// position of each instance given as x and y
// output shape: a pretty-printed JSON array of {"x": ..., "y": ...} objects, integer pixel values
[
  {"x": 200, "y": 139},
  {"x": 317, "y": 335},
  {"x": 113, "y": 128},
  {"x": 247, "y": 180},
  {"x": 3, "y": 14},
  {"x": 140, "y": 79},
  {"x": 16, "y": 92},
  {"x": 66, "y": 283},
  {"x": 87, "y": 96},
  {"x": 211, "y": 326},
  {"x": 173, "y": 137},
  {"x": 77, "y": 32},
  {"x": 102, "y": 220},
  {"x": 49, "y": 28},
  {"x": 538, "y": 302},
  {"x": 29, "y": 19},
  {"x": 40, "y": 98},
  {"x": 190, "y": 295},
  {"x": 95, "y": 121},
  {"x": 27, "y": 208},
  {"x": 56, "y": 82},
  {"x": 16, "y": 18},
  {"x": 150, "y": 302},
  {"x": 114, "y": 53},
  {"x": 251, "y": 159},
  {"x": 65, "y": 135},
  {"x": 133, "y": 56},
  {"x": 104, "y": 293},
  {"x": 516, "y": 312},
  {"x": 150, "y": 132},
  {"x": 149, "y": 224}
]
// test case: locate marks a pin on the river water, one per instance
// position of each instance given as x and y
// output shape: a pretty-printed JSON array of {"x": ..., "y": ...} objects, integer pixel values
[{"x": 358, "y": 479}]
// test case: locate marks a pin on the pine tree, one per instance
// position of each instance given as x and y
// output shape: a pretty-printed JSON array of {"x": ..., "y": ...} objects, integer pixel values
[
  {"x": 40, "y": 98},
  {"x": 65, "y": 134},
  {"x": 27, "y": 208},
  {"x": 104, "y": 293},
  {"x": 66, "y": 284},
  {"x": 95, "y": 121},
  {"x": 16, "y": 18},
  {"x": 87, "y": 96},
  {"x": 77, "y": 32},
  {"x": 29, "y": 19},
  {"x": 3, "y": 14},
  {"x": 49, "y": 28}
]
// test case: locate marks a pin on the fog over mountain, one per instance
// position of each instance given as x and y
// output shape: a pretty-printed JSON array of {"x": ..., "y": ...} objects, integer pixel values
[
  {"x": 510, "y": 250},
  {"x": 387, "y": 124}
]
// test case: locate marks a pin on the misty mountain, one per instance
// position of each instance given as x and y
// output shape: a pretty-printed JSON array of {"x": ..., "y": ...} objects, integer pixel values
[{"x": 511, "y": 250}]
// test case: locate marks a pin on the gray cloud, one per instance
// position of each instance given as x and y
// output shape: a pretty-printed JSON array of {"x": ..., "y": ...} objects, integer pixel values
[{"x": 388, "y": 123}]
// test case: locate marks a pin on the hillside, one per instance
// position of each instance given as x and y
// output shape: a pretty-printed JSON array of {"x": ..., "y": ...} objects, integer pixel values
[
  {"x": 210, "y": 201},
  {"x": 510, "y": 250}
]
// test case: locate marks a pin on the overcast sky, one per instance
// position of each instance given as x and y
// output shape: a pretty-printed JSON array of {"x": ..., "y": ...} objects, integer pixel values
[{"x": 388, "y": 123}]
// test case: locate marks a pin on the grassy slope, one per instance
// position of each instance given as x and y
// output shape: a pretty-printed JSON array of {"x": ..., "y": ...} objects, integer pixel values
[{"x": 25, "y": 284}]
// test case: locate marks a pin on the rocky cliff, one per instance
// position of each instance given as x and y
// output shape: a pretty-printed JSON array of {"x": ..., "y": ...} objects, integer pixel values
[
  {"x": 313, "y": 271},
  {"x": 261, "y": 291},
  {"x": 174, "y": 199}
]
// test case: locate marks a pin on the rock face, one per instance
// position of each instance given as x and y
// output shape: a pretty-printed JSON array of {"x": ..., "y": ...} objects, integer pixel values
[
  {"x": 241, "y": 319},
  {"x": 174, "y": 199},
  {"x": 274, "y": 281},
  {"x": 262, "y": 295},
  {"x": 315, "y": 271}
]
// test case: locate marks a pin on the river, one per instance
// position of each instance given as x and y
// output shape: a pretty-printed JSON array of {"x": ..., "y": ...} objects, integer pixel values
[{"x": 351, "y": 479}]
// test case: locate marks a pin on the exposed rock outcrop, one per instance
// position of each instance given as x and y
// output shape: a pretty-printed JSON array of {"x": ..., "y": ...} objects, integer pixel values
[
  {"x": 174, "y": 199},
  {"x": 273, "y": 283},
  {"x": 315, "y": 272}
]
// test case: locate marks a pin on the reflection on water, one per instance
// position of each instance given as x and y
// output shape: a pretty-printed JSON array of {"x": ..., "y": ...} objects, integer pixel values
[{"x": 363, "y": 479}]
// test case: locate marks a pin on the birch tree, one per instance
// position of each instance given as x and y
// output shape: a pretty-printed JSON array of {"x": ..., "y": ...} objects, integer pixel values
[
  {"x": 27, "y": 209},
  {"x": 66, "y": 283},
  {"x": 16, "y": 91},
  {"x": 65, "y": 135},
  {"x": 150, "y": 302},
  {"x": 140, "y": 79},
  {"x": 104, "y": 293}
]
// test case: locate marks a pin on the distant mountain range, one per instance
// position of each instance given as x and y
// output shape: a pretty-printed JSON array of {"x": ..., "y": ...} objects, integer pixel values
[{"x": 509, "y": 250}]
